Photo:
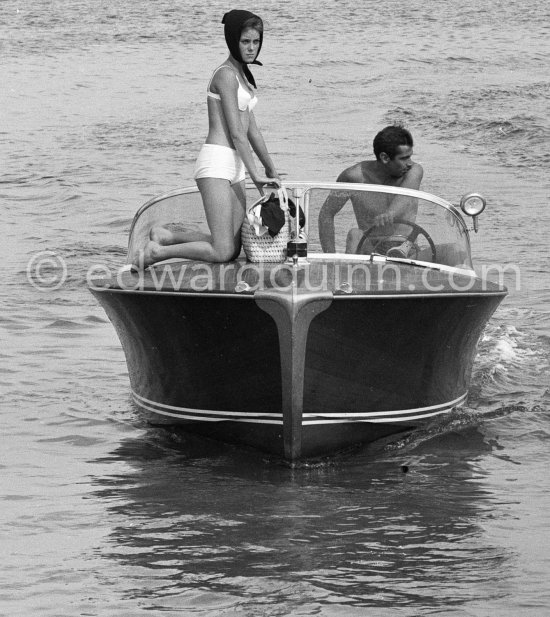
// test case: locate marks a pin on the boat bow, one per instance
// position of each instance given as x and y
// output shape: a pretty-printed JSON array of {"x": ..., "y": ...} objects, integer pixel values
[{"x": 292, "y": 313}]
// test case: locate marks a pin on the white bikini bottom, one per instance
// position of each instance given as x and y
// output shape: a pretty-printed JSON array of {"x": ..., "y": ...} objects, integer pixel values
[{"x": 216, "y": 161}]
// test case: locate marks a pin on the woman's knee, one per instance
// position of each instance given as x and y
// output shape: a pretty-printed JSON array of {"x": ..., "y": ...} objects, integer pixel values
[
  {"x": 236, "y": 253},
  {"x": 226, "y": 252}
]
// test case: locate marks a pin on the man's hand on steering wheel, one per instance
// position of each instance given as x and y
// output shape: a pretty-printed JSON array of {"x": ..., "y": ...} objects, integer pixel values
[
  {"x": 383, "y": 219},
  {"x": 416, "y": 231}
]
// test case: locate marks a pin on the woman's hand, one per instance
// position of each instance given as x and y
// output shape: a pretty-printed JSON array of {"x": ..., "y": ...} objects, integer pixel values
[
  {"x": 273, "y": 177},
  {"x": 271, "y": 172},
  {"x": 267, "y": 180}
]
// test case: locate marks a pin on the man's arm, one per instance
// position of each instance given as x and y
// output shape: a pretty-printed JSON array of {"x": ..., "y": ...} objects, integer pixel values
[
  {"x": 402, "y": 206},
  {"x": 333, "y": 204}
]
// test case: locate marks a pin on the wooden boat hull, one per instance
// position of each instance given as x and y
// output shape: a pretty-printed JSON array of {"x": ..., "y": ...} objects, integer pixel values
[{"x": 295, "y": 372}]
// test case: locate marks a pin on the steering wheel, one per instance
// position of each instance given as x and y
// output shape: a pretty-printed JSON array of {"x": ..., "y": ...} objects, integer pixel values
[{"x": 416, "y": 231}]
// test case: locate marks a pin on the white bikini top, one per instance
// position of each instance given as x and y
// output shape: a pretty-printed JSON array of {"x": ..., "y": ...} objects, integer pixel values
[{"x": 245, "y": 100}]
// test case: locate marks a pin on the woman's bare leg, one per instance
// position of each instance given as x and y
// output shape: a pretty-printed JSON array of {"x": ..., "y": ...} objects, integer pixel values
[
  {"x": 239, "y": 211},
  {"x": 165, "y": 236},
  {"x": 224, "y": 205}
]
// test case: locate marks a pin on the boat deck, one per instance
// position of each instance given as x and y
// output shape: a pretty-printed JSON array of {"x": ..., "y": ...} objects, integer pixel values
[{"x": 340, "y": 278}]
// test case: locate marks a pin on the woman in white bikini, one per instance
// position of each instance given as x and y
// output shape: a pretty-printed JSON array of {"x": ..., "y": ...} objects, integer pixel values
[{"x": 221, "y": 164}]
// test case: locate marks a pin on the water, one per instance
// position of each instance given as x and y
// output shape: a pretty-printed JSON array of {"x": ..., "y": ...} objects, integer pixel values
[{"x": 103, "y": 106}]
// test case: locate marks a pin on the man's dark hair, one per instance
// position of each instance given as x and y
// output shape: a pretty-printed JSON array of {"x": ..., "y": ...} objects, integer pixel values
[{"x": 389, "y": 139}]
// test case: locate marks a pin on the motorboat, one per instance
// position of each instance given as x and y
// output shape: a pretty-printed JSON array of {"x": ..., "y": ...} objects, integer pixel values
[{"x": 341, "y": 343}]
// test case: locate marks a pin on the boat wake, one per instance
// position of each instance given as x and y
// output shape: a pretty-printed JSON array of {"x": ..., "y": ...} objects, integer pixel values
[{"x": 508, "y": 368}]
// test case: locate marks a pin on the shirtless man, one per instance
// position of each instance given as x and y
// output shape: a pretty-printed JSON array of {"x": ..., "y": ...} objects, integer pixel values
[{"x": 393, "y": 148}]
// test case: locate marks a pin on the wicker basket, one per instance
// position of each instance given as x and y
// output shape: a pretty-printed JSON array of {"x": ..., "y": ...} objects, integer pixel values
[{"x": 266, "y": 248}]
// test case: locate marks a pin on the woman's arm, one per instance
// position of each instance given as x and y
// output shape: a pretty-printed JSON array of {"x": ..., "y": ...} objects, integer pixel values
[
  {"x": 257, "y": 142},
  {"x": 227, "y": 86}
]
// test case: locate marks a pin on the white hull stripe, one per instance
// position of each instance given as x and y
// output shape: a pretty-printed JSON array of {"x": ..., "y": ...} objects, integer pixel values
[{"x": 209, "y": 415}]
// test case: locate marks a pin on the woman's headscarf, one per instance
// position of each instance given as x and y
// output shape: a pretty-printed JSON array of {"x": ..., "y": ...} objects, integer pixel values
[{"x": 233, "y": 22}]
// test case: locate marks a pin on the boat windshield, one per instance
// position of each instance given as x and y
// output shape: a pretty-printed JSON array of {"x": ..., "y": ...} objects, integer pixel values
[
  {"x": 340, "y": 220},
  {"x": 350, "y": 220},
  {"x": 179, "y": 210}
]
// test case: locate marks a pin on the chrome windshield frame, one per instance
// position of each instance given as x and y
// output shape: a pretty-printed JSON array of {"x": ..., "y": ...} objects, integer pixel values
[{"x": 301, "y": 192}]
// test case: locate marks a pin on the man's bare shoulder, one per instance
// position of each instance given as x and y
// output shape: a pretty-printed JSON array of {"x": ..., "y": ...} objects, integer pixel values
[
  {"x": 417, "y": 169},
  {"x": 353, "y": 174},
  {"x": 413, "y": 177}
]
